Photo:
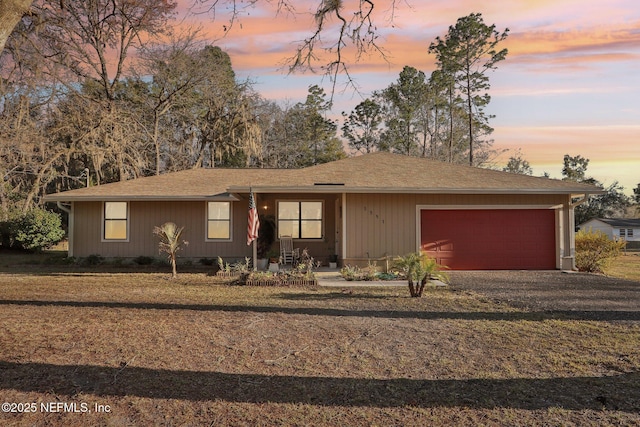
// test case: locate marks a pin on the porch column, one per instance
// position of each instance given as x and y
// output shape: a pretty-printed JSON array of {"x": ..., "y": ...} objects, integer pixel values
[
  {"x": 71, "y": 226},
  {"x": 567, "y": 260},
  {"x": 344, "y": 226}
]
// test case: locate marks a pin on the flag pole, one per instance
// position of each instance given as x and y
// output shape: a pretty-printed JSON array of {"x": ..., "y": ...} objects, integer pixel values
[
  {"x": 255, "y": 254},
  {"x": 253, "y": 226}
]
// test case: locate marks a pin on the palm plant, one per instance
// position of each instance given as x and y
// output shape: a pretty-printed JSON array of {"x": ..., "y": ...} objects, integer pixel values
[
  {"x": 419, "y": 268},
  {"x": 170, "y": 242}
]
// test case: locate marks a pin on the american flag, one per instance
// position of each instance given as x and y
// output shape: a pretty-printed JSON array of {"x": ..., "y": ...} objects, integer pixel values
[{"x": 254, "y": 222}]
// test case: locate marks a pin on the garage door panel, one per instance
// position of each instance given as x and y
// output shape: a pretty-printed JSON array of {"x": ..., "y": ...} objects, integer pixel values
[{"x": 490, "y": 239}]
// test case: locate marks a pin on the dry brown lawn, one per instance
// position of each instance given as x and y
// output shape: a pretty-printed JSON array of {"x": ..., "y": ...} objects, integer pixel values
[
  {"x": 195, "y": 352},
  {"x": 626, "y": 266}
]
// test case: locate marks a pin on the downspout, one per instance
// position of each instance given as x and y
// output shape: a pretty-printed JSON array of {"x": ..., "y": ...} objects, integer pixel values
[
  {"x": 581, "y": 201},
  {"x": 69, "y": 211}
]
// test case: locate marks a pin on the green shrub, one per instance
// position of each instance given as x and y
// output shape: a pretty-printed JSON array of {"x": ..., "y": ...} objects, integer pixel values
[
  {"x": 418, "y": 268},
  {"x": 117, "y": 261},
  {"x": 60, "y": 260},
  {"x": 93, "y": 259},
  {"x": 367, "y": 273},
  {"x": 6, "y": 234},
  {"x": 144, "y": 260},
  {"x": 35, "y": 230},
  {"x": 594, "y": 250},
  {"x": 387, "y": 276}
]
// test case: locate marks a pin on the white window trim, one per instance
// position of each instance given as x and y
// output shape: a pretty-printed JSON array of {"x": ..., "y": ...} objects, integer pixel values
[
  {"x": 102, "y": 238},
  {"x": 206, "y": 221},
  {"x": 302, "y": 239}
]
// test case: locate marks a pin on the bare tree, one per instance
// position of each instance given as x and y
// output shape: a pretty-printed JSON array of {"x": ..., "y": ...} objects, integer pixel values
[
  {"x": 356, "y": 31},
  {"x": 176, "y": 73},
  {"x": 92, "y": 38},
  {"x": 340, "y": 34}
]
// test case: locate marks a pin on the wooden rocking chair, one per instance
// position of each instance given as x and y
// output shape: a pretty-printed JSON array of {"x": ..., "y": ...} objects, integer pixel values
[{"x": 288, "y": 255}]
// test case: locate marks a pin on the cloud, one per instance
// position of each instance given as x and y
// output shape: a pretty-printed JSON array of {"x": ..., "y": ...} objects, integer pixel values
[{"x": 545, "y": 36}]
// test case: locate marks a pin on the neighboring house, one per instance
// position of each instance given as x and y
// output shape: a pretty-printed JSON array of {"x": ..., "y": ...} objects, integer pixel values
[
  {"x": 616, "y": 228},
  {"x": 361, "y": 208}
]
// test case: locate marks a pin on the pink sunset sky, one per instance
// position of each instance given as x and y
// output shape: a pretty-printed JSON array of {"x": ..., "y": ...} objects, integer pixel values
[{"x": 570, "y": 83}]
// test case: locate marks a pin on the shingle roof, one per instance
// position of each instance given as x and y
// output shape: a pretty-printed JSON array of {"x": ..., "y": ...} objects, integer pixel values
[
  {"x": 377, "y": 172},
  {"x": 620, "y": 222}
]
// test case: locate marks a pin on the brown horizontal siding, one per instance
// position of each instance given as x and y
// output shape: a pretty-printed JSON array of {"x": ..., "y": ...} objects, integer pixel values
[
  {"x": 382, "y": 225},
  {"x": 144, "y": 216}
]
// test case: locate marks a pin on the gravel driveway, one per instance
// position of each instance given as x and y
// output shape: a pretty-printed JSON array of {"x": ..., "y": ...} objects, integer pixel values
[{"x": 553, "y": 290}]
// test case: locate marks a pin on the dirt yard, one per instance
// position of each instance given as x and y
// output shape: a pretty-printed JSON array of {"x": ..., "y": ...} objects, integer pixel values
[{"x": 82, "y": 348}]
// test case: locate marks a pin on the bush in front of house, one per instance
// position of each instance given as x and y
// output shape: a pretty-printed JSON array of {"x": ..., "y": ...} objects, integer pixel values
[
  {"x": 171, "y": 242},
  {"x": 143, "y": 260},
  {"x": 419, "y": 269},
  {"x": 594, "y": 250},
  {"x": 92, "y": 260},
  {"x": 35, "y": 230},
  {"x": 355, "y": 273},
  {"x": 207, "y": 261}
]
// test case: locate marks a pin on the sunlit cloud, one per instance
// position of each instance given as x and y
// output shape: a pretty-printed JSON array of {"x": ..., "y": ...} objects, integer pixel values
[
  {"x": 569, "y": 85},
  {"x": 613, "y": 151}
]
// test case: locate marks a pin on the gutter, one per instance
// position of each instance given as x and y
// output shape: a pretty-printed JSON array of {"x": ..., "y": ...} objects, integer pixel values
[
  {"x": 584, "y": 198},
  {"x": 332, "y": 188},
  {"x": 63, "y": 207},
  {"x": 61, "y": 197}
]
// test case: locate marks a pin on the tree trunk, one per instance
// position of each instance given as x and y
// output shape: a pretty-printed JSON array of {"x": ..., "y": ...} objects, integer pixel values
[
  {"x": 423, "y": 283},
  {"x": 174, "y": 272},
  {"x": 413, "y": 291},
  {"x": 470, "y": 113},
  {"x": 11, "y": 11},
  {"x": 450, "y": 124}
]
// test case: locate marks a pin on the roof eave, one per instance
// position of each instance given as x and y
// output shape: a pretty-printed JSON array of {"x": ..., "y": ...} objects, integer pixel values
[
  {"x": 231, "y": 195},
  {"x": 405, "y": 190},
  {"x": 60, "y": 197}
]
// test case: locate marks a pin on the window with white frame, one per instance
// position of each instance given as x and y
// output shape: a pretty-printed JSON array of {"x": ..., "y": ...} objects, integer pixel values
[
  {"x": 116, "y": 217},
  {"x": 622, "y": 234},
  {"x": 629, "y": 232},
  {"x": 218, "y": 220},
  {"x": 300, "y": 219}
]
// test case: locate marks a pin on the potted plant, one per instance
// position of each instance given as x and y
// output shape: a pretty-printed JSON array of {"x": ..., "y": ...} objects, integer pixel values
[
  {"x": 333, "y": 261},
  {"x": 274, "y": 259},
  {"x": 266, "y": 237}
]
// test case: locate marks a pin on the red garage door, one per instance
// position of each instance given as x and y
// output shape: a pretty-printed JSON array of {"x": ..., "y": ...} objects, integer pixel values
[{"x": 491, "y": 239}]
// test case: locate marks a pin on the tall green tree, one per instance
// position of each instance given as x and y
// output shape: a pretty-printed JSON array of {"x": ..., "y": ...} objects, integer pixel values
[
  {"x": 447, "y": 133},
  {"x": 402, "y": 102},
  {"x": 466, "y": 54},
  {"x": 517, "y": 164},
  {"x": 314, "y": 134},
  {"x": 362, "y": 126},
  {"x": 575, "y": 168},
  {"x": 612, "y": 202}
]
